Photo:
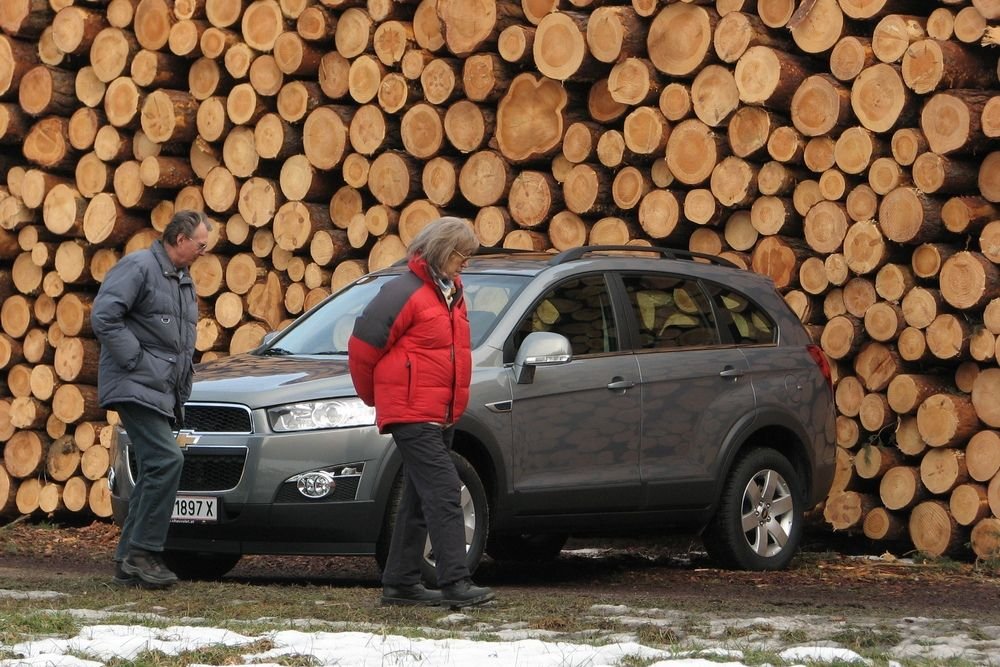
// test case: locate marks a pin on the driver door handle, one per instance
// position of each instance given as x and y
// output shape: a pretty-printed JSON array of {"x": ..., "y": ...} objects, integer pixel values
[
  {"x": 730, "y": 372},
  {"x": 618, "y": 383}
]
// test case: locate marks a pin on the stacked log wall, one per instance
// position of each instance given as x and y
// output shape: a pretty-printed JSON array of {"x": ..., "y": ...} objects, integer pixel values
[{"x": 850, "y": 150}]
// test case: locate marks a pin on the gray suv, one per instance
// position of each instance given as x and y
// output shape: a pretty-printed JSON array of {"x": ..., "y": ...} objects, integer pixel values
[{"x": 615, "y": 390}]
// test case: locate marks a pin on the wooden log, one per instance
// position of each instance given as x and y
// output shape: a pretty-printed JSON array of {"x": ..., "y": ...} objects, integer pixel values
[
  {"x": 24, "y": 453},
  {"x": 660, "y": 215},
  {"x": 865, "y": 248},
  {"x": 901, "y": 488},
  {"x": 880, "y": 100},
  {"x": 872, "y": 461},
  {"x": 492, "y": 225},
  {"x": 679, "y": 41},
  {"x": 613, "y": 33},
  {"x": 325, "y": 135},
  {"x": 969, "y": 504},
  {"x": 294, "y": 224},
  {"x": 931, "y": 64},
  {"x": 847, "y": 510},
  {"x": 530, "y": 118},
  {"x": 908, "y": 216},
  {"x": 986, "y": 404},
  {"x": 948, "y": 337},
  {"x": 634, "y": 81},
  {"x": 881, "y": 524},
  {"x": 969, "y": 280},
  {"x": 946, "y": 420},
  {"x": 468, "y": 27},
  {"x": 906, "y": 392},
  {"x": 769, "y": 77},
  {"x": 982, "y": 455},
  {"x": 985, "y": 538},
  {"x": 933, "y": 173},
  {"x": 933, "y": 530},
  {"x": 820, "y": 106},
  {"x": 850, "y": 56}
]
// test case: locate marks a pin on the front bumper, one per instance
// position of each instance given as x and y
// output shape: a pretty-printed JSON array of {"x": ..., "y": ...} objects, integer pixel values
[{"x": 260, "y": 511}]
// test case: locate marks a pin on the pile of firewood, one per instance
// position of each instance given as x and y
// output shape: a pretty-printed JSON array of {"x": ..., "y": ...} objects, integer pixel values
[{"x": 846, "y": 148}]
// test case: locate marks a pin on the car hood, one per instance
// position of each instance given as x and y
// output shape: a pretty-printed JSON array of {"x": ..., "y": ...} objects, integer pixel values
[{"x": 258, "y": 381}]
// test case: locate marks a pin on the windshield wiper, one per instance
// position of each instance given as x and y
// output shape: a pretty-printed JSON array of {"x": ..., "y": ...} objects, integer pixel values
[
  {"x": 329, "y": 352},
  {"x": 276, "y": 352}
]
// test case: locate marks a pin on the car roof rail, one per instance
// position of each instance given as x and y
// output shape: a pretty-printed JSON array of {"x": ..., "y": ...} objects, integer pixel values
[
  {"x": 483, "y": 251},
  {"x": 667, "y": 253}
]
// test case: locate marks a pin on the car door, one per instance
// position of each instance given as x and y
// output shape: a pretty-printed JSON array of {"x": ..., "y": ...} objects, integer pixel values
[
  {"x": 576, "y": 425},
  {"x": 695, "y": 388}
]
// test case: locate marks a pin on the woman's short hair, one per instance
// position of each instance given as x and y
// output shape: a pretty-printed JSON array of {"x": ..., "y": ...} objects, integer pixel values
[
  {"x": 184, "y": 222},
  {"x": 436, "y": 242}
]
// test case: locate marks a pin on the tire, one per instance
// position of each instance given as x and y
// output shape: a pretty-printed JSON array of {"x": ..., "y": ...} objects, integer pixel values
[
  {"x": 476, "y": 511},
  {"x": 540, "y": 548},
  {"x": 200, "y": 565},
  {"x": 765, "y": 488}
]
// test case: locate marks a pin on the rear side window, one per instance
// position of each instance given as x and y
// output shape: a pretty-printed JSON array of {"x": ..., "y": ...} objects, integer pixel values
[
  {"x": 671, "y": 312},
  {"x": 746, "y": 322},
  {"x": 579, "y": 309}
]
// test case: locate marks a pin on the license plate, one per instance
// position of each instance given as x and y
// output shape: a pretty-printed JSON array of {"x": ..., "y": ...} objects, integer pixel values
[{"x": 189, "y": 509}]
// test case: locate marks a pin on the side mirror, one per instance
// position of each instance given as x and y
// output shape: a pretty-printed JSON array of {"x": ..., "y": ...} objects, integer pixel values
[{"x": 541, "y": 348}]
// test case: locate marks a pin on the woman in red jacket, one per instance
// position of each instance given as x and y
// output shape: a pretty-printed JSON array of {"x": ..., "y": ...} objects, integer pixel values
[{"x": 410, "y": 357}]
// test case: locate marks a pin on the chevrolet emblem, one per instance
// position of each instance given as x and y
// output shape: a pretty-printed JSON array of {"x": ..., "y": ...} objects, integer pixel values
[{"x": 187, "y": 437}]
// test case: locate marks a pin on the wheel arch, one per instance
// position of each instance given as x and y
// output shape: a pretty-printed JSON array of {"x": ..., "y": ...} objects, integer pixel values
[{"x": 775, "y": 430}]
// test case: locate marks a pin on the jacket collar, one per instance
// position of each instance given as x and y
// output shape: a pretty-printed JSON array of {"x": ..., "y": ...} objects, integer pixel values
[
  {"x": 419, "y": 266},
  {"x": 168, "y": 268}
]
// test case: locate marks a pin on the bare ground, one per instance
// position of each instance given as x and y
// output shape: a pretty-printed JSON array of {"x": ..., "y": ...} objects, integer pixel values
[{"x": 833, "y": 575}]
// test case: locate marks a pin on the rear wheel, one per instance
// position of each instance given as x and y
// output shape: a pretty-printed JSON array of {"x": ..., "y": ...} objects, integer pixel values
[
  {"x": 758, "y": 525},
  {"x": 200, "y": 565},
  {"x": 475, "y": 513}
]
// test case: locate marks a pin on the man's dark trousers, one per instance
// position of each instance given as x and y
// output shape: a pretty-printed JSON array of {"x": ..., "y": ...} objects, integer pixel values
[{"x": 159, "y": 461}]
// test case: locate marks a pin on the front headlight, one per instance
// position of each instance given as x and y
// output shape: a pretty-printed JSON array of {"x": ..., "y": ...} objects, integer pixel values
[{"x": 336, "y": 413}]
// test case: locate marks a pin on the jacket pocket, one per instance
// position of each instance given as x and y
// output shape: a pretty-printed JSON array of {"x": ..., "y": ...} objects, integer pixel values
[
  {"x": 411, "y": 378},
  {"x": 154, "y": 372}
]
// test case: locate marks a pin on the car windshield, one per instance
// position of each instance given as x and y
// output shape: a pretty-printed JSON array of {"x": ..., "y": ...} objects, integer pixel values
[{"x": 327, "y": 329}]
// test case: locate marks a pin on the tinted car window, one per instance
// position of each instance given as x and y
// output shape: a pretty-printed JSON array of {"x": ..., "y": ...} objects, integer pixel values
[
  {"x": 327, "y": 329},
  {"x": 671, "y": 312},
  {"x": 746, "y": 322},
  {"x": 579, "y": 309}
]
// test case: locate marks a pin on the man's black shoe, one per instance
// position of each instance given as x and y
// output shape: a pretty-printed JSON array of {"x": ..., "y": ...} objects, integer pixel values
[
  {"x": 124, "y": 580},
  {"x": 148, "y": 567},
  {"x": 121, "y": 578},
  {"x": 410, "y": 595},
  {"x": 464, "y": 593}
]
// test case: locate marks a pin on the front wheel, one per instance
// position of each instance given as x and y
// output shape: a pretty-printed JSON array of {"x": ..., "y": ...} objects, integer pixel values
[
  {"x": 758, "y": 525},
  {"x": 475, "y": 513}
]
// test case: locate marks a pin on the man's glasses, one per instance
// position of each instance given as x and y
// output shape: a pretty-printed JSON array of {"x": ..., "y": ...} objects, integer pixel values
[
  {"x": 465, "y": 258},
  {"x": 201, "y": 246}
]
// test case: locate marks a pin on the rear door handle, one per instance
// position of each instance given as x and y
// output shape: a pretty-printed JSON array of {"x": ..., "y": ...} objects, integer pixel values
[
  {"x": 620, "y": 384},
  {"x": 730, "y": 372}
]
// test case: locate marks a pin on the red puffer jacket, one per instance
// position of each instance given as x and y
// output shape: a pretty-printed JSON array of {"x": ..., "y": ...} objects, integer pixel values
[{"x": 410, "y": 353}]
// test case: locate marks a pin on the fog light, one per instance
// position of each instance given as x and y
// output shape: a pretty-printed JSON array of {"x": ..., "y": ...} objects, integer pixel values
[{"x": 318, "y": 484}]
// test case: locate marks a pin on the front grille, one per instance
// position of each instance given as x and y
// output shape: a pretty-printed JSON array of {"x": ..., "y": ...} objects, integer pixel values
[
  {"x": 203, "y": 418},
  {"x": 346, "y": 489},
  {"x": 206, "y": 471}
]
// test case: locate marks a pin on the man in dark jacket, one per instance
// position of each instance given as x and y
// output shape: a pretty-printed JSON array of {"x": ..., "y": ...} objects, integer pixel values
[
  {"x": 410, "y": 357},
  {"x": 145, "y": 315}
]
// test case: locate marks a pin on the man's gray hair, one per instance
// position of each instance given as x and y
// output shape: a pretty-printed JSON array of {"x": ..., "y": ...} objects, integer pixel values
[
  {"x": 184, "y": 222},
  {"x": 436, "y": 242}
]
